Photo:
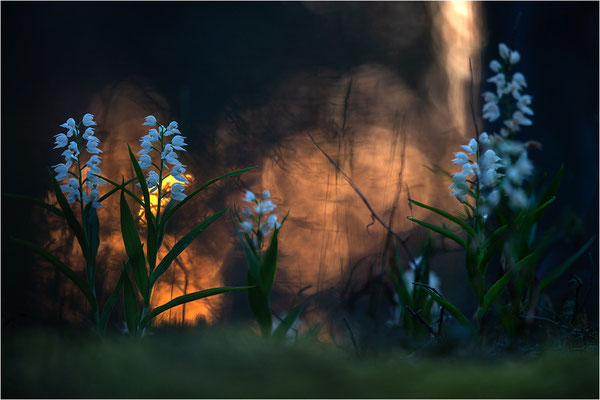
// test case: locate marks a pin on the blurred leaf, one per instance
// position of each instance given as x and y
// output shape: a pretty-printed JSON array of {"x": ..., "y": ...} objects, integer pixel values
[
  {"x": 151, "y": 249},
  {"x": 186, "y": 298},
  {"x": 553, "y": 188},
  {"x": 539, "y": 210},
  {"x": 441, "y": 231},
  {"x": 181, "y": 246},
  {"x": 285, "y": 325},
  {"x": 133, "y": 248},
  {"x": 70, "y": 217},
  {"x": 68, "y": 272},
  {"x": 445, "y": 303},
  {"x": 446, "y": 215},
  {"x": 168, "y": 215},
  {"x": 491, "y": 295},
  {"x": 110, "y": 303},
  {"x": 492, "y": 245},
  {"x": 131, "y": 306},
  {"x": 37, "y": 202},
  {"x": 558, "y": 271},
  {"x": 269, "y": 264},
  {"x": 398, "y": 280},
  {"x": 260, "y": 305}
]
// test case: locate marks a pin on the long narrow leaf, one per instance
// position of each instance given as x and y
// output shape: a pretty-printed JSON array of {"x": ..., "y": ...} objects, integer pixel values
[
  {"x": 37, "y": 202},
  {"x": 123, "y": 188},
  {"x": 446, "y": 304},
  {"x": 168, "y": 215},
  {"x": 115, "y": 189},
  {"x": 493, "y": 292},
  {"x": 133, "y": 248},
  {"x": 186, "y": 298},
  {"x": 93, "y": 236},
  {"x": 110, "y": 303},
  {"x": 446, "y": 215},
  {"x": 163, "y": 228},
  {"x": 68, "y": 272},
  {"x": 287, "y": 322},
  {"x": 553, "y": 188},
  {"x": 441, "y": 231},
  {"x": 132, "y": 314},
  {"x": 492, "y": 245},
  {"x": 181, "y": 246},
  {"x": 269, "y": 263},
  {"x": 151, "y": 238},
  {"x": 558, "y": 271},
  {"x": 70, "y": 217}
]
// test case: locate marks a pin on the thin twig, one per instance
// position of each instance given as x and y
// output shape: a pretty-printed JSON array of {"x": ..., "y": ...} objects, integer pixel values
[
  {"x": 352, "y": 337},
  {"x": 363, "y": 198},
  {"x": 440, "y": 321},
  {"x": 471, "y": 101},
  {"x": 418, "y": 316}
]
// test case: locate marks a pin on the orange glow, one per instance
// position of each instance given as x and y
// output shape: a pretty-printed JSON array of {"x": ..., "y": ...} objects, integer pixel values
[{"x": 166, "y": 185}]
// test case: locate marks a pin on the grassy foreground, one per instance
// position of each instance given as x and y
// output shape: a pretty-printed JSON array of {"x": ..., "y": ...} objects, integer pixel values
[{"x": 219, "y": 362}]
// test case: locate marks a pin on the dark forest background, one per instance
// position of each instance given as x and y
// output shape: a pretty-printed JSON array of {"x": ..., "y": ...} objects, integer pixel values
[{"x": 204, "y": 57}]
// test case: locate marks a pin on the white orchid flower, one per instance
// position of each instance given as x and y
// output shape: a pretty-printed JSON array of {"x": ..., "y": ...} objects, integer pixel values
[
  {"x": 61, "y": 170},
  {"x": 471, "y": 148},
  {"x": 172, "y": 129},
  {"x": 514, "y": 57},
  {"x": 272, "y": 221},
  {"x": 61, "y": 140},
  {"x": 247, "y": 226},
  {"x": 177, "y": 191},
  {"x": 504, "y": 51},
  {"x": 145, "y": 161},
  {"x": 249, "y": 197},
  {"x": 88, "y": 120},
  {"x": 460, "y": 158},
  {"x": 495, "y": 66},
  {"x": 177, "y": 173},
  {"x": 177, "y": 142},
  {"x": 150, "y": 121}
]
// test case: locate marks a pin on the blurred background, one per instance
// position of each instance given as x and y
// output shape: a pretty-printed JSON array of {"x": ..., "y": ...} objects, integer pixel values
[{"x": 384, "y": 89}]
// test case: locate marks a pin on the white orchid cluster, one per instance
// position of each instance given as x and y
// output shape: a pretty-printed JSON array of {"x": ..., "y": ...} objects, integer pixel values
[
  {"x": 253, "y": 225},
  {"x": 515, "y": 106},
  {"x": 509, "y": 85},
  {"x": 72, "y": 140},
  {"x": 158, "y": 135},
  {"x": 480, "y": 173}
]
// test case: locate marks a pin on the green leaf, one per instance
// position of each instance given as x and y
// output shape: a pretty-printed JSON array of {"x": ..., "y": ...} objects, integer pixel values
[
  {"x": 70, "y": 217},
  {"x": 133, "y": 248},
  {"x": 553, "y": 188},
  {"x": 491, "y": 295},
  {"x": 132, "y": 315},
  {"x": 492, "y": 245},
  {"x": 37, "y": 202},
  {"x": 151, "y": 227},
  {"x": 168, "y": 215},
  {"x": 446, "y": 215},
  {"x": 186, "y": 298},
  {"x": 558, "y": 271},
  {"x": 181, "y": 246},
  {"x": 115, "y": 188},
  {"x": 251, "y": 257},
  {"x": 441, "y": 231},
  {"x": 110, "y": 303},
  {"x": 446, "y": 304},
  {"x": 260, "y": 305},
  {"x": 288, "y": 321},
  {"x": 540, "y": 210},
  {"x": 398, "y": 280},
  {"x": 68, "y": 272},
  {"x": 269, "y": 264},
  {"x": 123, "y": 188}
]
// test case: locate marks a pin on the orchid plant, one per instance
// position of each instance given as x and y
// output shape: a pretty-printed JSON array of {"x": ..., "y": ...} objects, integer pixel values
[
  {"x": 500, "y": 212},
  {"x": 254, "y": 227},
  {"x": 146, "y": 268}
]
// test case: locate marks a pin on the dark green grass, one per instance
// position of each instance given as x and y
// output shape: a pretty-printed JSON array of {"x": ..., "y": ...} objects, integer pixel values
[{"x": 220, "y": 362}]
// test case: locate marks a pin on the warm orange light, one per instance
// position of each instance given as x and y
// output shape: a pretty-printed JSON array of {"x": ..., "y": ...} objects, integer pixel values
[{"x": 166, "y": 186}]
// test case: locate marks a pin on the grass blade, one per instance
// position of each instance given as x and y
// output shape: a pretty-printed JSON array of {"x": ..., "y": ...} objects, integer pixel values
[
  {"x": 133, "y": 248},
  {"x": 181, "y": 246},
  {"x": 37, "y": 202},
  {"x": 445, "y": 303},
  {"x": 70, "y": 217},
  {"x": 287, "y": 322},
  {"x": 441, "y": 231},
  {"x": 151, "y": 238},
  {"x": 269, "y": 264},
  {"x": 68, "y": 272},
  {"x": 491, "y": 295},
  {"x": 446, "y": 215},
  {"x": 168, "y": 215},
  {"x": 186, "y": 298},
  {"x": 131, "y": 307},
  {"x": 110, "y": 303},
  {"x": 558, "y": 271}
]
